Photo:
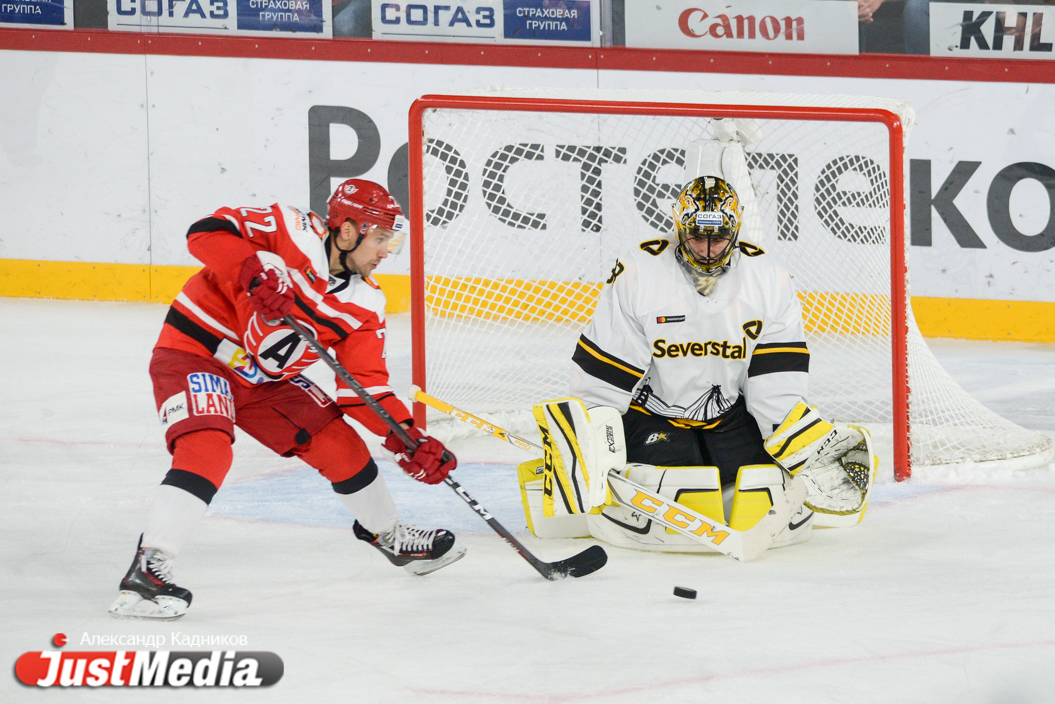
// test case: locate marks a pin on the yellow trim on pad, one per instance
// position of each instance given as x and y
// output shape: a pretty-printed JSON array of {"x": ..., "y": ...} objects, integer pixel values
[{"x": 971, "y": 319}]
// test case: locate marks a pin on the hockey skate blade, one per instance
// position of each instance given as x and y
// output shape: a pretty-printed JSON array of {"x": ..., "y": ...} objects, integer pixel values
[
  {"x": 424, "y": 567},
  {"x": 130, "y": 605}
]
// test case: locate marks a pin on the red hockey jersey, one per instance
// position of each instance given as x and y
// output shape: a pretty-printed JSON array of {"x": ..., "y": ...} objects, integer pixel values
[{"x": 212, "y": 316}]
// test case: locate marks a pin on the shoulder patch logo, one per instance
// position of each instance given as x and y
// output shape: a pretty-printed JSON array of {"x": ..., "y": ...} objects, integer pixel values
[
  {"x": 753, "y": 328},
  {"x": 750, "y": 250},
  {"x": 654, "y": 247},
  {"x": 310, "y": 273},
  {"x": 670, "y": 319},
  {"x": 616, "y": 271}
]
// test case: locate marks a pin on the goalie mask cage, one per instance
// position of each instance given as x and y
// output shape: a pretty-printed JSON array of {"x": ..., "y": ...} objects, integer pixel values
[{"x": 521, "y": 201}]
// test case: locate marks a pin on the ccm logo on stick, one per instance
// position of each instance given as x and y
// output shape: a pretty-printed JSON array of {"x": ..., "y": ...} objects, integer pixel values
[{"x": 678, "y": 518}]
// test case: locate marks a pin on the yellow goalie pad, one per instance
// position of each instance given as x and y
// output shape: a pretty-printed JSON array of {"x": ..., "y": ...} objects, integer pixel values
[
  {"x": 579, "y": 449},
  {"x": 530, "y": 475},
  {"x": 740, "y": 506}
]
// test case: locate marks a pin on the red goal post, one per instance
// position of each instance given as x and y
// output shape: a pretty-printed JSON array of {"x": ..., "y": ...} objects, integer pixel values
[{"x": 505, "y": 268}]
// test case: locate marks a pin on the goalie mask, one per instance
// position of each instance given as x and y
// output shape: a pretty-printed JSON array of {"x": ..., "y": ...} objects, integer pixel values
[{"x": 707, "y": 222}]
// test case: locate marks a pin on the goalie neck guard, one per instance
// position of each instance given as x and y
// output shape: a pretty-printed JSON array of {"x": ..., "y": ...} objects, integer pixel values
[{"x": 707, "y": 222}]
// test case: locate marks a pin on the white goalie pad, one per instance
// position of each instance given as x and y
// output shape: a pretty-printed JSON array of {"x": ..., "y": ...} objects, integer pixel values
[
  {"x": 568, "y": 525},
  {"x": 756, "y": 491},
  {"x": 579, "y": 448},
  {"x": 740, "y": 506},
  {"x": 698, "y": 488}
]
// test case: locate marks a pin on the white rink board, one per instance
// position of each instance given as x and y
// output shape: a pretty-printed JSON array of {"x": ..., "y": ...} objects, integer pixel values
[{"x": 81, "y": 140}]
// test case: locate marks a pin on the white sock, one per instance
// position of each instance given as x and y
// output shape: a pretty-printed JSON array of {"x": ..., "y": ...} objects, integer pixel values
[
  {"x": 373, "y": 506},
  {"x": 172, "y": 518}
]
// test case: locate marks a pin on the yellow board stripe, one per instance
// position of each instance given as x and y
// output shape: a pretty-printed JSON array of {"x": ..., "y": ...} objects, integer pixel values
[
  {"x": 85, "y": 281},
  {"x": 88, "y": 281},
  {"x": 966, "y": 318}
]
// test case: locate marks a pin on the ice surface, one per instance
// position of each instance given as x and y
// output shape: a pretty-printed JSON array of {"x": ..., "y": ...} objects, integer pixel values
[{"x": 945, "y": 593}]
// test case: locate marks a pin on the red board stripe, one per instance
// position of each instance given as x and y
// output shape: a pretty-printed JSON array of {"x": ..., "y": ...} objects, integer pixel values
[{"x": 609, "y": 58}]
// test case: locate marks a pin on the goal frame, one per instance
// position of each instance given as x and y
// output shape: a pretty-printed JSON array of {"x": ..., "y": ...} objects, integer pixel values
[{"x": 898, "y": 265}]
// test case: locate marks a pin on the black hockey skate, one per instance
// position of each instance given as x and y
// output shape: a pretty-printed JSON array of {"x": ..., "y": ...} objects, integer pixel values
[
  {"x": 415, "y": 550},
  {"x": 147, "y": 591}
]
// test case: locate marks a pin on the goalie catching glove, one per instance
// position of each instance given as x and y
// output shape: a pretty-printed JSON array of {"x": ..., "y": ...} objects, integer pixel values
[
  {"x": 835, "y": 461},
  {"x": 430, "y": 462}
]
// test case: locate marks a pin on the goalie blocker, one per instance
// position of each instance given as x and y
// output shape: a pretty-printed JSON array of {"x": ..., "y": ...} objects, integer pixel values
[{"x": 566, "y": 494}]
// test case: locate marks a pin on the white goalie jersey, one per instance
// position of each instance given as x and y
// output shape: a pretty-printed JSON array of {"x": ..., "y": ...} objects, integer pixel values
[{"x": 655, "y": 343}]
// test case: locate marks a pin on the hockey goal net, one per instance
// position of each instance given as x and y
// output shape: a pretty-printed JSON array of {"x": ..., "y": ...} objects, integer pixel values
[{"x": 521, "y": 201}]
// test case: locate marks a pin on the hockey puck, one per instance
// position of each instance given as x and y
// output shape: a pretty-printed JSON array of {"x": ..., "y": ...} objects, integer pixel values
[{"x": 685, "y": 592}]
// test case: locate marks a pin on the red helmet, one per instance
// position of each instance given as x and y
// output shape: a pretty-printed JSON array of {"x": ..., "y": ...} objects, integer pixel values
[{"x": 362, "y": 201}]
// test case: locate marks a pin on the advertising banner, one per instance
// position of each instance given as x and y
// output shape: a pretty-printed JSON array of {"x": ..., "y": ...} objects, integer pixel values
[
  {"x": 992, "y": 31},
  {"x": 776, "y": 26},
  {"x": 37, "y": 14},
  {"x": 308, "y": 19},
  {"x": 551, "y": 22}
]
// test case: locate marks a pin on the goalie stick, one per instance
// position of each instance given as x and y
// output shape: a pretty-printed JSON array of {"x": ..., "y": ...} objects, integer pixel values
[
  {"x": 586, "y": 562},
  {"x": 741, "y": 545}
]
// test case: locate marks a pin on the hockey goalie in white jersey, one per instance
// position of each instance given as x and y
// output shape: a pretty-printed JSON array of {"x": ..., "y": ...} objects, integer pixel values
[{"x": 698, "y": 344}]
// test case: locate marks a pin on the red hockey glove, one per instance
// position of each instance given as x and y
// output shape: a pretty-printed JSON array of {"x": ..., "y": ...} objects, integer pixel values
[
  {"x": 430, "y": 463},
  {"x": 269, "y": 287}
]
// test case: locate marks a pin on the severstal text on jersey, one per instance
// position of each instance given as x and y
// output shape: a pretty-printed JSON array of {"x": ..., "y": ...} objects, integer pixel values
[{"x": 711, "y": 348}]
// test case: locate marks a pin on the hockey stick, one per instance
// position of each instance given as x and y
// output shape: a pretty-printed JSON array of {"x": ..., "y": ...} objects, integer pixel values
[
  {"x": 589, "y": 560},
  {"x": 741, "y": 545}
]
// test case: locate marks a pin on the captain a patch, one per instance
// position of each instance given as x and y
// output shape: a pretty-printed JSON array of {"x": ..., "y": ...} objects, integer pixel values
[{"x": 210, "y": 395}]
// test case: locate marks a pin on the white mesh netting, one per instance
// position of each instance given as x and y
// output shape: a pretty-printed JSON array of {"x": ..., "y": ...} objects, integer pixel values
[{"x": 526, "y": 212}]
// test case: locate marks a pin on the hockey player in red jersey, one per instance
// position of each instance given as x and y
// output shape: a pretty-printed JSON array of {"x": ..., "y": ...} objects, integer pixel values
[{"x": 224, "y": 358}]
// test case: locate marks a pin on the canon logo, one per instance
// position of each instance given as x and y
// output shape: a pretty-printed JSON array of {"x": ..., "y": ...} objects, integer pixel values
[{"x": 692, "y": 24}]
